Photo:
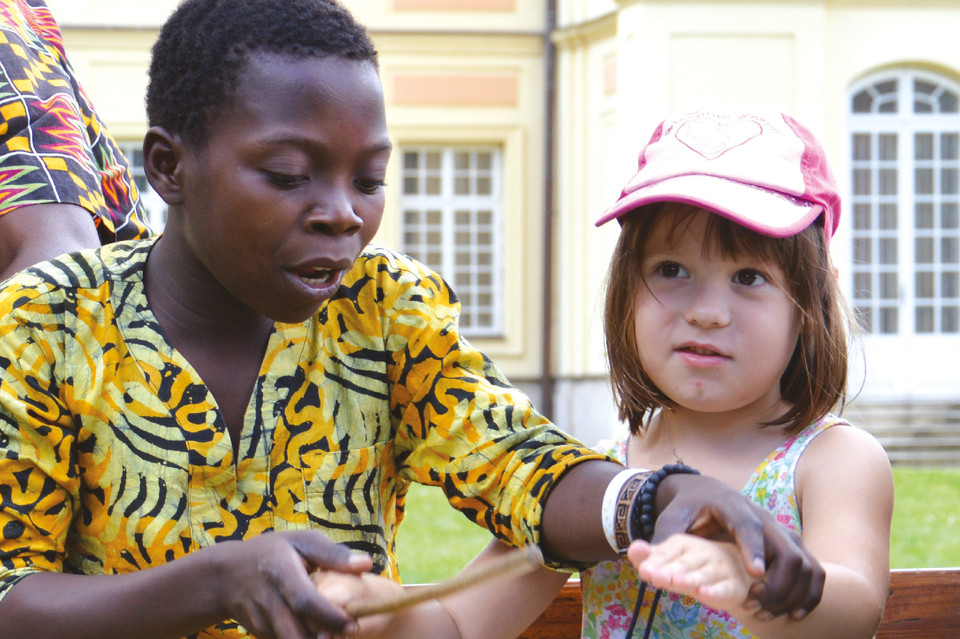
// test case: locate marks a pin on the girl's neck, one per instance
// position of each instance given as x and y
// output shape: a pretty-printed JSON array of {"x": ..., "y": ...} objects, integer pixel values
[{"x": 726, "y": 446}]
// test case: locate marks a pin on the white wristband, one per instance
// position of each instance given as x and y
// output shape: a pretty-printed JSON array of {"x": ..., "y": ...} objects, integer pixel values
[{"x": 611, "y": 505}]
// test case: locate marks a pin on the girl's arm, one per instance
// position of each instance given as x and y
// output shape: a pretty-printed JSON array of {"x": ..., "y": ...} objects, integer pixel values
[
  {"x": 494, "y": 609},
  {"x": 845, "y": 493}
]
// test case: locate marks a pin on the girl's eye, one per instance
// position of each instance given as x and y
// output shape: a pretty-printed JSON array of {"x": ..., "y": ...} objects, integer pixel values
[
  {"x": 670, "y": 269},
  {"x": 284, "y": 180},
  {"x": 749, "y": 277},
  {"x": 369, "y": 186}
]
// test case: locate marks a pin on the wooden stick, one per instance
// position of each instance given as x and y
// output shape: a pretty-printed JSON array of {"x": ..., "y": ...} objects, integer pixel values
[{"x": 513, "y": 563}]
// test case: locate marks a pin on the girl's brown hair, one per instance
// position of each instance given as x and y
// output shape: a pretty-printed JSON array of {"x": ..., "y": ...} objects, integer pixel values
[{"x": 814, "y": 381}]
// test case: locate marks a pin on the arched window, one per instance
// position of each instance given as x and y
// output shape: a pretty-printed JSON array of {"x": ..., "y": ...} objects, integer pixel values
[{"x": 905, "y": 158}]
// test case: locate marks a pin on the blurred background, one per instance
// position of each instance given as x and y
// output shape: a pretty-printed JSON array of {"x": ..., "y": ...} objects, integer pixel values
[{"x": 516, "y": 122}]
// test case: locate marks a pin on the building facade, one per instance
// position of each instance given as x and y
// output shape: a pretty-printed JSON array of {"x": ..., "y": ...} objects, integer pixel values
[{"x": 516, "y": 122}]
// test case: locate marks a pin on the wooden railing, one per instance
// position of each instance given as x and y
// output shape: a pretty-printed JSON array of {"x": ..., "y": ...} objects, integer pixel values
[{"x": 923, "y": 604}]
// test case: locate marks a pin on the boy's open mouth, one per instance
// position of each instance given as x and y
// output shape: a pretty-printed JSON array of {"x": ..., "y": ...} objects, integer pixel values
[{"x": 317, "y": 276}]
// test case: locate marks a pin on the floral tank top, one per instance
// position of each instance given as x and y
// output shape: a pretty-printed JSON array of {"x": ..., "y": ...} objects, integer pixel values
[{"x": 609, "y": 589}]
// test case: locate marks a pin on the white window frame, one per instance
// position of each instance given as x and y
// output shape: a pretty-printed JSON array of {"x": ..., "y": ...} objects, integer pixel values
[
  {"x": 459, "y": 235},
  {"x": 153, "y": 204},
  {"x": 892, "y": 284}
]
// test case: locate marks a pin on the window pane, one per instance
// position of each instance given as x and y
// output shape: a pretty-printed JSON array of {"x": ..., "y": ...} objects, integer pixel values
[
  {"x": 484, "y": 161},
  {"x": 923, "y": 247},
  {"x": 949, "y": 250},
  {"x": 888, "y": 217},
  {"x": 861, "y": 217},
  {"x": 434, "y": 217},
  {"x": 888, "y": 181},
  {"x": 484, "y": 186},
  {"x": 410, "y": 186},
  {"x": 948, "y": 181},
  {"x": 434, "y": 186},
  {"x": 924, "y": 219},
  {"x": 864, "y": 315},
  {"x": 863, "y": 102},
  {"x": 889, "y": 286},
  {"x": 862, "y": 253},
  {"x": 888, "y": 146},
  {"x": 951, "y": 319},
  {"x": 948, "y": 216},
  {"x": 888, "y": 250},
  {"x": 434, "y": 160},
  {"x": 861, "y": 146},
  {"x": 923, "y": 88},
  {"x": 884, "y": 88},
  {"x": 924, "y": 182},
  {"x": 461, "y": 186},
  {"x": 925, "y": 285},
  {"x": 861, "y": 181},
  {"x": 924, "y": 319},
  {"x": 950, "y": 285},
  {"x": 461, "y": 161},
  {"x": 411, "y": 217},
  {"x": 889, "y": 320},
  {"x": 411, "y": 160},
  {"x": 949, "y": 102},
  {"x": 862, "y": 286},
  {"x": 923, "y": 146},
  {"x": 949, "y": 146}
]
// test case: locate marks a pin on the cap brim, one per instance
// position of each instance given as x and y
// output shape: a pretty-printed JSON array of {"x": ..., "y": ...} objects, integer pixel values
[{"x": 764, "y": 211}]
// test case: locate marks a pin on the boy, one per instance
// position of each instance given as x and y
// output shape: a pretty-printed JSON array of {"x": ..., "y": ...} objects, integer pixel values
[{"x": 188, "y": 414}]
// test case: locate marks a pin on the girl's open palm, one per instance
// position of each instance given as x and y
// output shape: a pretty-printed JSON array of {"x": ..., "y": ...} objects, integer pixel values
[{"x": 711, "y": 571}]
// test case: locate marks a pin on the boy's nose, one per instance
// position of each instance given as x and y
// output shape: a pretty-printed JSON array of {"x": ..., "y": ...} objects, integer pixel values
[
  {"x": 333, "y": 214},
  {"x": 708, "y": 307}
]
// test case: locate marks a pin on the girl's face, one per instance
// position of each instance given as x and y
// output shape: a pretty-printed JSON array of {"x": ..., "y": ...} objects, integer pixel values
[{"x": 714, "y": 333}]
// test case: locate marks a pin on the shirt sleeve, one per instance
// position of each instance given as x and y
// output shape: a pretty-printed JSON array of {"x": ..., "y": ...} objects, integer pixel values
[
  {"x": 460, "y": 424},
  {"x": 38, "y": 477},
  {"x": 53, "y": 146}
]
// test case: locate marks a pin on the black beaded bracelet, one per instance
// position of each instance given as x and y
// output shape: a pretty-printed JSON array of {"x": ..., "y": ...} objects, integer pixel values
[{"x": 643, "y": 516}]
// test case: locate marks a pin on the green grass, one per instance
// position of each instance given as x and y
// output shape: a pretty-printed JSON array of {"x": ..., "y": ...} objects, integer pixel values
[
  {"x": 926, "y": 514},
  {"x": 435, "y": 541}
]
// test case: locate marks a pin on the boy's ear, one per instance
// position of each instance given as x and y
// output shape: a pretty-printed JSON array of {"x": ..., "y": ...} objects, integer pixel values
[{"x": 162, "y": 155}]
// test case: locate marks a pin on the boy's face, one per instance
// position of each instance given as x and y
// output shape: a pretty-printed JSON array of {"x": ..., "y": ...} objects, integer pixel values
[{"x": 287, "y": 191}]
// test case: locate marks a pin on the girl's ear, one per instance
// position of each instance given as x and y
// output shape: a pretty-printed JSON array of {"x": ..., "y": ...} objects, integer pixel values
[{"x": 162, "y": 156}]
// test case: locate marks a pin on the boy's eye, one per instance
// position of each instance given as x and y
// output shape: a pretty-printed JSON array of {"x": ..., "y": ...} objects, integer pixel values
[
  {"x": 670, "y": 269},
  {"x": 369, "y": 186},
  {"x": 749, "y": 277},
  {"x": 284, "y": 180}
]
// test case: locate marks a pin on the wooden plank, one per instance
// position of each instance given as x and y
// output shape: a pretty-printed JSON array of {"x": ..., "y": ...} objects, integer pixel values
[{"x": 923, "y": 604}]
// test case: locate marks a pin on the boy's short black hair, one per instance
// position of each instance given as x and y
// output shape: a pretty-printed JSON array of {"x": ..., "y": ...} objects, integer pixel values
[{"x": 204, "y": 45}]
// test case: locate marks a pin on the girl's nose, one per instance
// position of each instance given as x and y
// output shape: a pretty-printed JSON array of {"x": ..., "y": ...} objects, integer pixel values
[{"x": 708, "y": 306}]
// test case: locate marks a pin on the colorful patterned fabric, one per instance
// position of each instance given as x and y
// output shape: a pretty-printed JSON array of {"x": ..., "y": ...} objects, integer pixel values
[
  {"x": 53, "y": 146},
  {"x": 610, "y": 588},
  {"x": 114, "y": 458}
]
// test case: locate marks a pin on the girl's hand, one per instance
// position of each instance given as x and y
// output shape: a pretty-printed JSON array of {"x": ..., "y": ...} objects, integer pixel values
[
  {"x": 792, "y": 579},
  {"x": 341, "y": 588},
  {"x": 267, "y": 588},
  {"x": 711, "y": 571}
]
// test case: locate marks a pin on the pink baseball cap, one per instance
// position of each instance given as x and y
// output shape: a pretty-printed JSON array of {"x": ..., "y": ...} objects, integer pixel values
[{"x": 766, "y": 172}]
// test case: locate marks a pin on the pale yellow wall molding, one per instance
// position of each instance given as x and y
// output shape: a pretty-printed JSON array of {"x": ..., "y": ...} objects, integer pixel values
[
  {"x": 454, "y": 5},
  {"x": 585, "y": 33},
  {"x": 409, "y": 89}
]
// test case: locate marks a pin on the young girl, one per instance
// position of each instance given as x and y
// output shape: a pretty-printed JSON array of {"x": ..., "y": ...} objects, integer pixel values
[{"x": 727, "y": 345}]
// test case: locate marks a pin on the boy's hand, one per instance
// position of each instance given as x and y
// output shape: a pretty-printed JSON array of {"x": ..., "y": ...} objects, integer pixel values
[
  {"x": 267, "y": 587},
  {"x": 792, "y": 579}
]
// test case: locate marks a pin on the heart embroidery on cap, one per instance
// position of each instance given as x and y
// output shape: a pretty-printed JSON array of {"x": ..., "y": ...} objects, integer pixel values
[{"x": 712, "y": 137}]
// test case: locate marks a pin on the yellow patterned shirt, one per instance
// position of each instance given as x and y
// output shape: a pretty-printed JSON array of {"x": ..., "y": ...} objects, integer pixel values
[{"x": 114, "y": 458}]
